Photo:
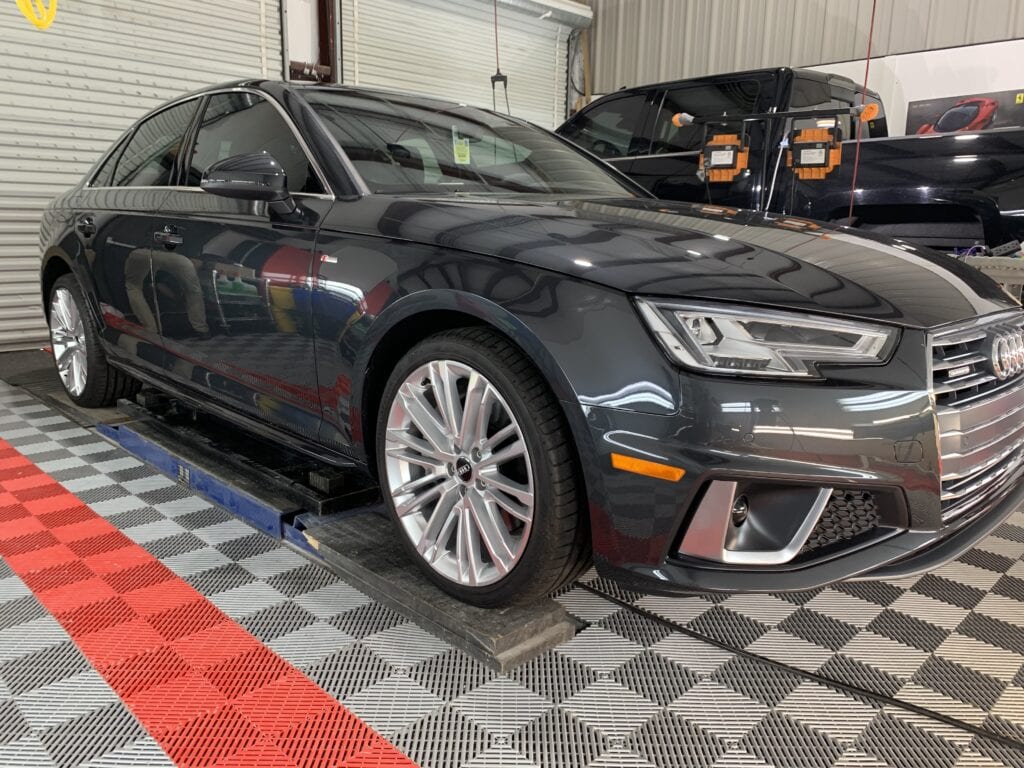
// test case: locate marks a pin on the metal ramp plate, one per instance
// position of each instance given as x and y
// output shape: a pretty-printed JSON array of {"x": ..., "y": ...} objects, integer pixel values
[
  {"x": 365, "y": 551},
  {"x": 343, "y": 532}
]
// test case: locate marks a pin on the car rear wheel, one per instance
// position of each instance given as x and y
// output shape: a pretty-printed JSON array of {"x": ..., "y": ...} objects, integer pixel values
[
  {"x": 81, "y": 364},
  {"x": 478, "y": 471}
]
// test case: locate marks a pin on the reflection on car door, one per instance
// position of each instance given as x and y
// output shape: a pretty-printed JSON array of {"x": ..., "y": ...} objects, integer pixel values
[
  {"x": 115, "y": 220},
  {"x": 232, "y": 279}
]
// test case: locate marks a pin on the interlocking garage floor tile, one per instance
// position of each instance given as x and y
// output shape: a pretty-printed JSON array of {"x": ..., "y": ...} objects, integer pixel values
[
  {"x": 635, "y": 688},
  {"x": 951, "y": 641}
]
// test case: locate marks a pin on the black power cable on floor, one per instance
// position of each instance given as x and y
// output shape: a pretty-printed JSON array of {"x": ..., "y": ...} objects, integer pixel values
[{"x": 829, "y": 682}]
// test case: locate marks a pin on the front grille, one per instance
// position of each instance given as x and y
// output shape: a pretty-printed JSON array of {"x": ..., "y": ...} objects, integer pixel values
[
  {"x": 961, "y": 367},
  {"x": 980, "y": 416},
  {"x": 849, "y": 514}
]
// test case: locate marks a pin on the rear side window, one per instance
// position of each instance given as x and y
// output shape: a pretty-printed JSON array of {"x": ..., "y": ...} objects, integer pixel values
[
  {"x": 738, "y": 97},
  {"x": 611, "y": 128},
  {"x": 150, "y": 158},
  {"x": 104, "y": 177},
  {"x": 244, "y": 123},
  {"x": 815, "y": 94},
  {"x": 835, "y": 98}
]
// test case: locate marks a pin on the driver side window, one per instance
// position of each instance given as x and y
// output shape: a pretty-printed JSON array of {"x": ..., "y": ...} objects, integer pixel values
[
  {"x": 241, "y": 123},
  {"x": 611, "y": 129}
]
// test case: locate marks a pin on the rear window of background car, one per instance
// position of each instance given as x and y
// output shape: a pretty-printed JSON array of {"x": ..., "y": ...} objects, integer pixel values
[{"x": 815, "y": 94}]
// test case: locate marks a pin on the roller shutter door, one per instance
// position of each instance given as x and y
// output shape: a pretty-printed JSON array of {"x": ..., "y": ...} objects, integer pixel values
[
  {"x": 72, "y": 89},
  {"x": 445, "y": 48}
]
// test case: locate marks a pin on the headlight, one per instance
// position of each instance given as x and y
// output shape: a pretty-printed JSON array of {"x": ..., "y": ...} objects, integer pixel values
[{"x": 755, "y": 342}]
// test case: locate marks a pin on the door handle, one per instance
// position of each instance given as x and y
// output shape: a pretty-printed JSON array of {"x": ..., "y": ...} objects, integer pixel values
[
  {"x": 86, "y": 225},
  {"x": 169, "y": 237}
]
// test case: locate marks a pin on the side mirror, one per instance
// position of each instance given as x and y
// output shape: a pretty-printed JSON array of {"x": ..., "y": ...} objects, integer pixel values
[{"x": 256, "y": 176}]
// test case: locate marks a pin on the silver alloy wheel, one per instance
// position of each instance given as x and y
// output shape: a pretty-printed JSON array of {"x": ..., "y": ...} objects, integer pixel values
[
  {"x": 67, "y": 336},
  {"x": 459, "y": 473}
]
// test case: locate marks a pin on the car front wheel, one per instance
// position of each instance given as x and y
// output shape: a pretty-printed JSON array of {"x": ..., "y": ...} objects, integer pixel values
[{"x": 477, "y": 466}]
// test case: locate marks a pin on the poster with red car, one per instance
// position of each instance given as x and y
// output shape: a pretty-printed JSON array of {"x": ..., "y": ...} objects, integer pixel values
[{"x": 972, "y": 112}]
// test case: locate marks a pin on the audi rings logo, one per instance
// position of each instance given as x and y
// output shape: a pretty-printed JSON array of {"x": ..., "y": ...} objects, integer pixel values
[{"x": 1006, "y": 354}]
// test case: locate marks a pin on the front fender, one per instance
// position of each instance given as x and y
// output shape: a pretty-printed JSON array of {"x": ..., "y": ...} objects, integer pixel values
[
  {"x": 484, "y": 310},
  {"x": 587, "y": 341}
]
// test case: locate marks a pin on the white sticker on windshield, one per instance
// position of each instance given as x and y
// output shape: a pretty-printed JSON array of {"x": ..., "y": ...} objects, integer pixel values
[{"x": 460, "y": 148}]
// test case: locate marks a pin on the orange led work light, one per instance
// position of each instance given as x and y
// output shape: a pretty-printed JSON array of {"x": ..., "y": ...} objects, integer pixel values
[
  {"x": 725, "y": 157},
  {"x": 814, "y": 152}
]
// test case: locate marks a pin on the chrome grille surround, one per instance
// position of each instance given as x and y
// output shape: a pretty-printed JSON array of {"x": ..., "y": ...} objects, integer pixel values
[{"x": 980, "y": 416}]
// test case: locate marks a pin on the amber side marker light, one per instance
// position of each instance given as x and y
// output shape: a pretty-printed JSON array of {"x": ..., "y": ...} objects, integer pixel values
[{"x": 648, "y": 468}]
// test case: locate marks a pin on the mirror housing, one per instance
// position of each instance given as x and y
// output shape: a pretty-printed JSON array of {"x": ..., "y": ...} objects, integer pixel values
[{"x": 256, "y": 176}]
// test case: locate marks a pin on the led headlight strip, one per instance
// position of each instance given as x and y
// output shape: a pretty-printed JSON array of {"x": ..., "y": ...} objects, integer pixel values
[{"x": 757, "y": 342}]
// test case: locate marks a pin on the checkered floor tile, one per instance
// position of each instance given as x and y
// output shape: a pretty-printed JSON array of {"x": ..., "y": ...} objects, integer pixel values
[
  {"x": 950, "y": 641},
  {"x": 634, "y": 688}
]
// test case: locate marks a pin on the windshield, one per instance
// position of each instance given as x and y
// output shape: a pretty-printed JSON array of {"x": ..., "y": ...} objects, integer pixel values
[
  {"x": 401, "y": 144},
  {"x": 957, "y": 118}
]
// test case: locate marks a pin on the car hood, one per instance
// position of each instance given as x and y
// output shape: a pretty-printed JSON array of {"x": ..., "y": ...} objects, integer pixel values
[{"x": 656, "y": 248}]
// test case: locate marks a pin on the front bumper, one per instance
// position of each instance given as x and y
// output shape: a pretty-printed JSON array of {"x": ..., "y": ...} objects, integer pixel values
[
  {"x": 907, "y": 554},
  {"x": 877, "y": 440}
]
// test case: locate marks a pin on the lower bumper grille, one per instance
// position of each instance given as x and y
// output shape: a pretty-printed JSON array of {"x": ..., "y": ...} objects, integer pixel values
[{"x": 849, "y": 514}]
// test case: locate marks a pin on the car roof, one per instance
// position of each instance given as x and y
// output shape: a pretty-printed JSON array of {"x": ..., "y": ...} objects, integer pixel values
[
  {"x": 808, "y": 74},
  {"x": 276, "y": 86}
]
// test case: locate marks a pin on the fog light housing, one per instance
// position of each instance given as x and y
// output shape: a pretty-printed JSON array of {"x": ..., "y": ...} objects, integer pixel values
[{"x": 765, "y": 524}]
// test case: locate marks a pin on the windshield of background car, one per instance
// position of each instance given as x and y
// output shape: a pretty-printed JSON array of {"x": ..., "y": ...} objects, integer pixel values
[{"x": 400, "y": 145}]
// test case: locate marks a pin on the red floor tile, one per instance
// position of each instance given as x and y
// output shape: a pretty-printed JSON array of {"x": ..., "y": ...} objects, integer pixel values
[{"x": 208, "y": 691}]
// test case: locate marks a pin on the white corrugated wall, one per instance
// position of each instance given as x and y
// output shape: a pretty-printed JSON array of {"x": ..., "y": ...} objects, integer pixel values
[
  {"x": 650, "y": 41},
  {"x": 70, "y": 90},
  {"x": 446, "y": 48}
]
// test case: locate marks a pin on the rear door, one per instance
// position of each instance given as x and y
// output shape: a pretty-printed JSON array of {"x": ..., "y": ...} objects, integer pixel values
[
  {"x": 234, "y": 279},
  {"x": 669, "y": 169},
  {"x": 115, "y": 221}
]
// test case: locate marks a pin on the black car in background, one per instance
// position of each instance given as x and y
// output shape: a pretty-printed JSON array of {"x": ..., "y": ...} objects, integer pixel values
[
  {"x": 946, "y": 190},
  {"x": 533, "y": 356}
]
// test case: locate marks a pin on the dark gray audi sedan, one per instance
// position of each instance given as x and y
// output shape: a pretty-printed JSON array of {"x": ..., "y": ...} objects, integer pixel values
[{"x": 534, "y": 358}]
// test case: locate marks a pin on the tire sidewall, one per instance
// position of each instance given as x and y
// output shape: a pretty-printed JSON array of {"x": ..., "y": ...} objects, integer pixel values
[{"x": 538, "y": 547}]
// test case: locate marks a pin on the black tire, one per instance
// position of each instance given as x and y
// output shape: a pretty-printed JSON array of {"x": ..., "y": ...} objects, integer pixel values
[
  {"x": 104, "y": 385},
  {"x": 558, "y": 547}
]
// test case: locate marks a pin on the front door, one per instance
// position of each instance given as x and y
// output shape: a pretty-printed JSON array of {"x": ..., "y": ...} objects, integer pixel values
[{"x": 233, "y": 279}]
